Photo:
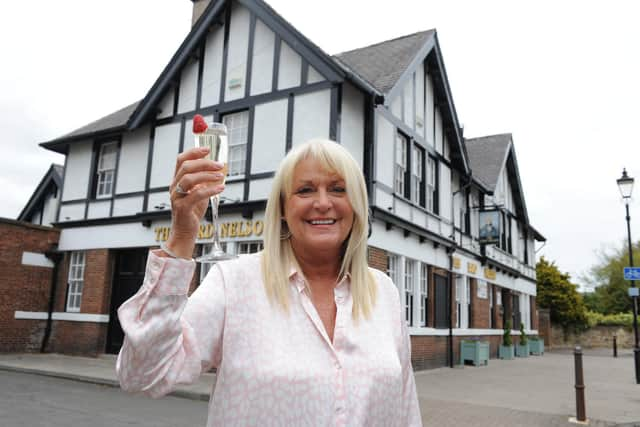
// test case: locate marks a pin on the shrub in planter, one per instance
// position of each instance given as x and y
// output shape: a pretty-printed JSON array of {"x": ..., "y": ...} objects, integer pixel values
[
  {"x": 506, "y": 348},
  {"x": 522, "y": 350},
  {"x": 536, "y": 346}
]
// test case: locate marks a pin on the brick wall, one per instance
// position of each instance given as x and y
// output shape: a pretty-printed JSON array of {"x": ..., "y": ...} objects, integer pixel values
[
  {"x": 377, "y": 258},
  {"x": 479, "y": 308},
  {"x": 428, "y": 352},
  {"x": 85, "y": 338},
  {"x": 23, "y": 287}
]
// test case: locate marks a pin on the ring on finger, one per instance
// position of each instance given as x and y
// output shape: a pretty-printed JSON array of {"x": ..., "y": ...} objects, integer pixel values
[{"x": 180, "y": 191}]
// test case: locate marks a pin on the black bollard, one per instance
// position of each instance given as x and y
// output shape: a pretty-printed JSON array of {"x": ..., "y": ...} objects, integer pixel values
[
  {"x": 580, "y": 411},
  {"x": 615, "y": 347}
]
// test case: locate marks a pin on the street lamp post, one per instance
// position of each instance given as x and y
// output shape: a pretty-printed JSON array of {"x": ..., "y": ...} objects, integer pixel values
[{"x": 625, "y": 183}]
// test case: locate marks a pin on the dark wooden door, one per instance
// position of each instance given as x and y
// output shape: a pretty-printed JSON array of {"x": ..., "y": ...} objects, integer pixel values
[
  {"x": 441, "y": 302},
  {"x": 127, "y": 279}
]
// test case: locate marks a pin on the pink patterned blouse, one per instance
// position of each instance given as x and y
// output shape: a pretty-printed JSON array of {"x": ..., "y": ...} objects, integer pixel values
[{"x": 273, "y": 368}]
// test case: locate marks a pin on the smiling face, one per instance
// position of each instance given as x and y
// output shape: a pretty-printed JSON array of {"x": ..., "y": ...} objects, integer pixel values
[{"x": 318, "y": 211}]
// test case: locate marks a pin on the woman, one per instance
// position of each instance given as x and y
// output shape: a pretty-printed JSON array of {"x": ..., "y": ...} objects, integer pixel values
[{"x": 303, "y": 333}]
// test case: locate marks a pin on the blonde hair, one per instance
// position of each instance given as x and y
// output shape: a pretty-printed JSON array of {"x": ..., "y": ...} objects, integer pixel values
[{"x": 278, "y": 257}]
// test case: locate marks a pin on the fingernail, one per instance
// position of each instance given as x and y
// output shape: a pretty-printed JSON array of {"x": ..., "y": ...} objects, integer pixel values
[
  {"x": 218, "y": 175},
  {"x": 218, "y": 165}
]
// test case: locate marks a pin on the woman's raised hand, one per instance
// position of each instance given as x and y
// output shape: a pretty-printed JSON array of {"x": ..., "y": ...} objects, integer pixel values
[{"x": 195, "y": 180}]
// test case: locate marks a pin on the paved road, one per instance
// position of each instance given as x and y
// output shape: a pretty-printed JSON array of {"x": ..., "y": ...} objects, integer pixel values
[{"x": 36, "y": 401}]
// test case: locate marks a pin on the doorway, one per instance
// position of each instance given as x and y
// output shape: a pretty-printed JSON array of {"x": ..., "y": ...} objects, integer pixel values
[{"x": 127, "y": 279}]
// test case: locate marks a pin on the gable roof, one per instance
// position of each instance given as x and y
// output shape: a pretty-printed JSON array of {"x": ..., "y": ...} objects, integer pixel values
[
  {"x": 114, "y": 122},
  {"x": 52, "y": 177},
  {"x": 382, "y": 64},
  {"x": 487, "y": 156}
]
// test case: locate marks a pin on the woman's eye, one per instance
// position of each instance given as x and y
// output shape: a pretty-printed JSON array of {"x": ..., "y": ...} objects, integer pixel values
[
  {"x": 304, "y": 190},
  {"x": 339, "y": 189}
]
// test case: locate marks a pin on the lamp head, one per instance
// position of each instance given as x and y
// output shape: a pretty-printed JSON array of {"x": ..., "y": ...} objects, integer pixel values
[{"x": 625, "y": 184}]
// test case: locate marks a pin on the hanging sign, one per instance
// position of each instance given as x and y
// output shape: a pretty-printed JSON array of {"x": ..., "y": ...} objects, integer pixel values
[{"x": 489, "y": 226}]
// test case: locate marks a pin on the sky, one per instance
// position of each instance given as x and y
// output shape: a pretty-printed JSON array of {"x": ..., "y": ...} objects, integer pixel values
[{"x": 562, "y": 77}]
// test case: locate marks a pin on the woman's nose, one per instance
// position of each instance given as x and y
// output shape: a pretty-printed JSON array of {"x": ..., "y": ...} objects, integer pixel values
[{"x": 322, "y": 200}]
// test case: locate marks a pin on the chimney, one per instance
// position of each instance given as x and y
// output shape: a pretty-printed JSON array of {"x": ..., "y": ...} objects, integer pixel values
[{"x": 198, "y": 8}]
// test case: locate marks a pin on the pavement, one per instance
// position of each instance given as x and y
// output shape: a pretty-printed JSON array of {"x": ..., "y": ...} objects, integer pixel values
[{"x": 529, "y": 392}]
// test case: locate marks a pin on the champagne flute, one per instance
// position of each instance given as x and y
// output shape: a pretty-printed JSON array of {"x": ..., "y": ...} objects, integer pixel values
[{"x": 215, "y": 139}]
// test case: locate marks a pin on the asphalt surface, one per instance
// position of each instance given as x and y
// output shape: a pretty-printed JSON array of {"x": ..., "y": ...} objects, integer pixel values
[{"x": 531, "y": 392}]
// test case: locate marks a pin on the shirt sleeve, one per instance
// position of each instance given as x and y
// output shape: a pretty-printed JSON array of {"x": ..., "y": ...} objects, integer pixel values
[{"x": 170, "y": 339}]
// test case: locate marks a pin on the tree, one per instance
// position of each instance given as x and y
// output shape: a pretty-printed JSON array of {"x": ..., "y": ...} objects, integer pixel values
[
  {"x": 611, "y": 290},
  {"x": 560, "y": 296}
]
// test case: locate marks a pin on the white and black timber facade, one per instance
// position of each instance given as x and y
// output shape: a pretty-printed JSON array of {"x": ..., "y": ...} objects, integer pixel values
[{"x": 389, "y": 104}]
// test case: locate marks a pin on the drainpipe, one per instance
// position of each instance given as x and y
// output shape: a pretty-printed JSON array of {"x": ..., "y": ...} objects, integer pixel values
[
  {"x": 449, "y": 311},
  {"x": 56, "y": 258}
]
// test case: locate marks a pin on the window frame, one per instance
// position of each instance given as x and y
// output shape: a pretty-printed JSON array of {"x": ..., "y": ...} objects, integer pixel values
[
  {"x": 105, "y": 175},
  {"x": 75, "y": 281},
  {"x": 424, "y": 294},
  {"x": 431, "y": 185},
  {"x": 417, "y": 175},
  {"x": 408, "y": 280},
  {"x": 401, "y": 164},
  {"x": 243, "y": 147}
]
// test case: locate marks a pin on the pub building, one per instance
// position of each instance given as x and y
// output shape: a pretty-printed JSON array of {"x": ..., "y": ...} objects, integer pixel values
[{"x": 389, "y": 104}]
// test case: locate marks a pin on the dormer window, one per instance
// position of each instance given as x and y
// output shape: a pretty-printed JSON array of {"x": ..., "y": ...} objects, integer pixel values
[{"x": 106, "y": 169}]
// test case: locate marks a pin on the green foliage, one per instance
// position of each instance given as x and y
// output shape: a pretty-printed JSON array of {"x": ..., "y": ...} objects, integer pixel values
[
  {"x": 611, "y": 290},
  {"x": 523, "y": 336},
  {"x": 560, "y": 296},
  {"x": 534, "y": 338},
  {"x": 506, "y": 335},
  {"x": 619, "y": 319}
]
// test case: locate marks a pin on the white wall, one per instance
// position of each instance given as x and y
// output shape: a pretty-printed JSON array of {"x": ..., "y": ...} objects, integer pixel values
[
  {"x": 384, "y": 146},
  {"x": 132, "y": 169},
  {"x": 420, "y": 119},
  {"x": 289, "y": 72},
  {"x": 311, "y": 116},
  {"x": 313, "y": 76},
  {"x": 260, "y": 188},
  {"x": 165, "y": 150},
  {"x": 72, "y": 212},
  {"x": 394, "y": 241},
  {"x": 50, "y": 210},
  {"x": 188, "y": 87},
  {"x": 262, "y": 62},
  {"x": 128, "y": 206},
  {"x": 445, "y": 191},
  {"x": 269, "y": 136},
  {"x": 352, "y": 122},
  {"x": 212, "y": 68},
  {"x": 237, "y": 51},
  {"x": 99, "y": 209},
  {"x": 78, "y": 166},
  {"x": 166, "y": 105},
  {"x": 409, "y": 114}
]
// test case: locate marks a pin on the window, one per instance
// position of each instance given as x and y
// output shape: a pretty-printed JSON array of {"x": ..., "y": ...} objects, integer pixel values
[
  {"x": 400, "y": 170},
  {"x": 392, "y": 269},
  {"x": 416, "y": 176},
  {"x": 75, "y": 281},
  {"x": 463, "y": 301},
  {"x": 106, "y": 169},
  {"x": 238, "y": 129},
  {"x": 408, "y": 291},
  {"x": 249, "y": 247},
  {"x": 424, "y": 294},
  {"x": 431, "y": 190}
]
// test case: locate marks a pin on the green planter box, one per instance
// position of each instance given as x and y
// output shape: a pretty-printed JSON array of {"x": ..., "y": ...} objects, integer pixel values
[
  {"x": 506, "y": 352},
  {"x": 475, "y": 351},
  {"x": 536, "y": 347},
  {"x": 522, "y": 350}
]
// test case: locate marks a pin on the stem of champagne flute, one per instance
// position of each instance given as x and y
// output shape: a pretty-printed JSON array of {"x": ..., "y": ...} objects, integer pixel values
[{"x": 214, "y": 219}]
